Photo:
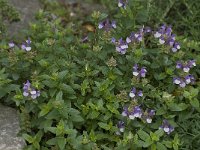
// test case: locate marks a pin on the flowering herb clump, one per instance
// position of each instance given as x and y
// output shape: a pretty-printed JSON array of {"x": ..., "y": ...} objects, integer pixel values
[
  {"x": 107, "y": 25},
  {"x": 185, "y": 78},
  {"x": 28, "y": 90},
  {"x": 139, "y": 72},
  {"x": 121, "y": 45},
  {"x": 26, "y": 45},
  {"x": 165, "y": 36}
]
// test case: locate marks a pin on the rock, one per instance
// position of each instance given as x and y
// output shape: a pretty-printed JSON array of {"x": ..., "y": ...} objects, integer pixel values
[
  {"x": 9, "y": 127},
  {"x": 27, "y": 10}
]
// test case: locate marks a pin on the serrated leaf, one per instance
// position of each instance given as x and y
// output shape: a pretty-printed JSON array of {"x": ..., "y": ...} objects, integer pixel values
[
  {"x": 104, "y": 125},
  {"x": 68, "y": 89},
  {"x": 143, "y": 135},
  {"x": 59, "y": 96},
  {"x": 160, "y": 146},
  {"x": 62, "y": 74},
  {"x": 177, "y": 107},
  {"x": 52, "y": 141},
  {"x": 61, "y": 141},
  {"x": 28, "y": 138},
  {"x": 194, "y": 102}
]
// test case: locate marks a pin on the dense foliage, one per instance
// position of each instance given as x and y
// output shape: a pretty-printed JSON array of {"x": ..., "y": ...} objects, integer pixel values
[{"x": 116, "y": 80}]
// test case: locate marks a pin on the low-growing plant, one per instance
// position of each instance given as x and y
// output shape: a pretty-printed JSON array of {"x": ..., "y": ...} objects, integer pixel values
[{"x": 120, "y": 85}]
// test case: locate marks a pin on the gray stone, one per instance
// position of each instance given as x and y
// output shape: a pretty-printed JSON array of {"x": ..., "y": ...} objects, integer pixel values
[
  {"x": 27, "y": 10},
  {"x": 9, "y": 127}
]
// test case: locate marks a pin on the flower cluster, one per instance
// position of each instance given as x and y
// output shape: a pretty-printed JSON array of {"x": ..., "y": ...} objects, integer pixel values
[
  {"x": 121, "y": 45},
  {"x": 138, "y": 36},
  {"x": 186, "y": 66},
  {"x": 26, "y": 45},
  {"x": 122, "y": 3},
  {"x": 167, "y": 127},
  {"x": 165, "y": 36},
  {"x": 29, "y": 91},
  {"x": 187, "y": 79},
  {"x": 135, "y": 93},
  {"x": 139, "y": 72},
  {"x": 107, "y": 25},
  {"x": 137, "y": 112}
]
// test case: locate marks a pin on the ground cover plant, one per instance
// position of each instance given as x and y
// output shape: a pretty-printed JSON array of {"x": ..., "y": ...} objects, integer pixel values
[{"x": 115, "y": 80}]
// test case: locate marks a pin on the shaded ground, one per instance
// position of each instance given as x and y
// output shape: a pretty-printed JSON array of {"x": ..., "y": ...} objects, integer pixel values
[
  {"x": 9, "y": 127},
  {"x": 27, "y": 9}
]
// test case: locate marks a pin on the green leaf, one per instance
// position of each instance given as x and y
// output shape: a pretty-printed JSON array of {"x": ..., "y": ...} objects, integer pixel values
[
  {"x": 77, "y": 118},
  {"x": 194, "y": 92},
  {"x": 59, "y": 96},
  {"x": 143, "y": 135},
  {"x": 28, "y": 138},
  {"x": 160, "y": 146},
  {"x": 159, "y": 132},
  {"x": 61, "y": 141},
  {"x": 62, "y": 74},
  {"x": 36, "y": 145},
  {"x": 45, "y": 110},
  {"x": 104, "y": 125},
  {"x": 67, "y": 88},
  {"x": 186, "y": 94},
  {"x": 194, "y": 102},
  {"x": 112, "y": 109},
  {"x": 52, "y": 141},
  {"x": 39, "y": 136},
  {"x": 177, "y": 107},
  {"x": 167, "y": 144},
  {"x": 160, "y": 111}
]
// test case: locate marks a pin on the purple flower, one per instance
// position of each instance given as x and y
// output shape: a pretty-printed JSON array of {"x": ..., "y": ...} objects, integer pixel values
[
  {"x": 27, "y": 45},
  {"x": 147, "y": 30},
  {"x": 191, "y": 63},
  {"x": 157, "y": 34},
  {"x": 121, "y": 46},
  {"x": 189, "y": 79},
  {"x": 140, "y": 93},
  {"x": 125, "y": 112},
  {"x": 28, "y": 90},
  {"x": 182, "y": 84},
  {"x": 121, "y": 126},
  {"x": 132, "y": 94},
  {"x": 143, "y": 72},
  {"x": 11, "y": 44},
  {"x": 130, "y": 38},
  {"x": 167, "y": 127},
  {"x": 135, "y": 70},
  {"x": 122, "y": 3},
  {"x": 186, "y": 68},
  {"x": 179, "y": 65},
  {"x": 137, "y": 73},
  {"x": 176, "y": 47},
  {"x": 23, "y": 46},
  {"x": 135, "y": 113},
  {"x": 176, "y": 80},
  {"x": 161, "y": 40},
  {"x": 148, "y": 115},
  {"x": 135, "y": 93},
  {"x": 168, "y": 31},
  {"x": 107, "y": 25}
]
